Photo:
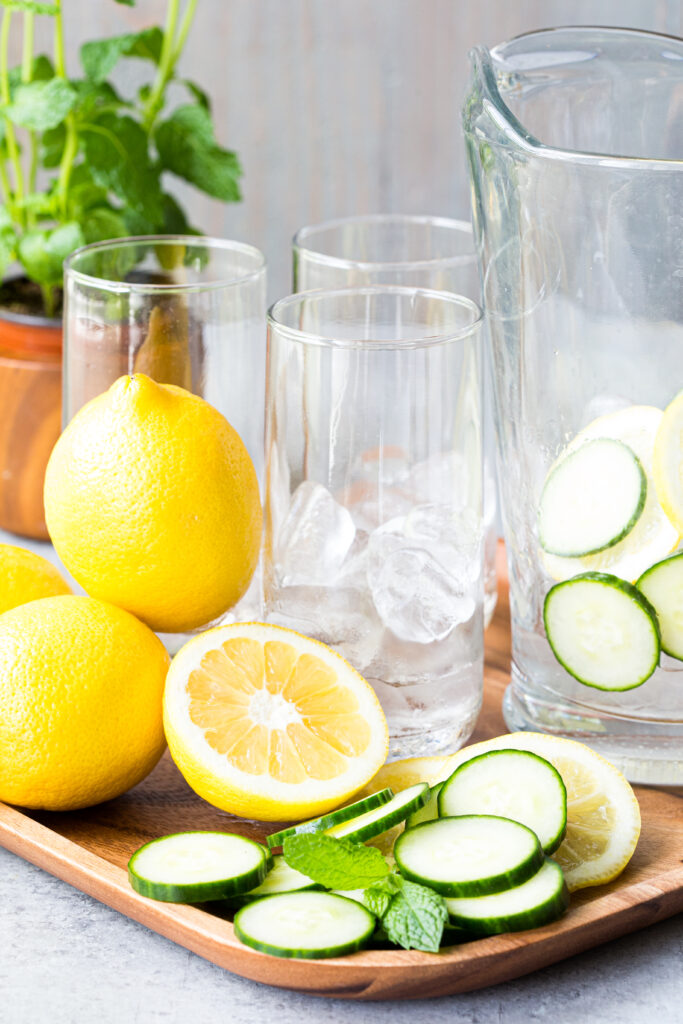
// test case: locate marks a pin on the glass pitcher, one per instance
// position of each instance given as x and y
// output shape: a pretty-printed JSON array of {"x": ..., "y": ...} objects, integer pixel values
[{"x": 575, "y": 146}]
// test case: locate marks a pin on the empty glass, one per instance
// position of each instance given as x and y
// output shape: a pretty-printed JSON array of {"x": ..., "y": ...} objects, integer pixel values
[
  {"x": 184, "y": 310},
  {"x": 402, "y": 249},
  {"x": 373, "y": 520}
]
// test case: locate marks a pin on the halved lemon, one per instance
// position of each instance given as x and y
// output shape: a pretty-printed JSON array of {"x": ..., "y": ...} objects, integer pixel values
[
  {"x": 268, "y": 724},
  {"x": 603, "y": 816},
  {"x": 654, "y": 535},
  {"x": 667, "y": 468}
]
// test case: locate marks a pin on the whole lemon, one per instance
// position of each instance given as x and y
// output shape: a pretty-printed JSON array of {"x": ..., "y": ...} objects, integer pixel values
[
  {"x": 81, "y": 686},
  {"x": 25, "y": 576},
  {"x": 152, "y": 503}
]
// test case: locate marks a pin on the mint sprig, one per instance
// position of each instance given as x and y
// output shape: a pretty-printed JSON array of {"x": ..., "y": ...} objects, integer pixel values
[
  {"x": 412, "y": 915},
  {"x": 112, "y": 157},
  {"x": 334, "y": 863}
]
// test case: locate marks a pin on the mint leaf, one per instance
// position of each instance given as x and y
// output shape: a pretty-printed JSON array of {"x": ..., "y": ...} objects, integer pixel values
[
  {"x": 198, "y": 94},
  {"x": 415, "y": 917},
  {"x": 84, "y": 193},
  {"x": 175, "y": 222},
  {"x": 8, "y": 240},
  {"x": 93, "y": 96},
  {"x": 103, "y": 222},
  {"x": 377, "y": 898},
  {"x": 41, "y": 105},
  {"x": 187, "y": 147},
  {"x": 43, "y": 252},
  {"x": 41, "y": 69},
  {"x": 101, "y": 56},
  {"x": 334, "y": 863},
  {"x": 52, "y": 145},
  {"x": 116, "y": 151}
]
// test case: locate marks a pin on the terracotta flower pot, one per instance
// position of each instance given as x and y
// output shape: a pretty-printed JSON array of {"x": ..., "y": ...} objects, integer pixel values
[{"x": 30, "y": 416}]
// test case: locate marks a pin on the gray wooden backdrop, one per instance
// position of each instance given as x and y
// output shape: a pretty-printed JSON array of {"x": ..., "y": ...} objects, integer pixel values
[{"x": 342, "y": 106}]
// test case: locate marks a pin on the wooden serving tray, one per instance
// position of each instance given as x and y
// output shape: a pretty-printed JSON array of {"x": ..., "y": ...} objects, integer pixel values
[{"x": 90, "y": 849}]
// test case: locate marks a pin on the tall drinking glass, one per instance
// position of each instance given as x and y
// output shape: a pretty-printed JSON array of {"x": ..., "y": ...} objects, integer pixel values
[
  {"x": 373, "y": 532},
  {"x": 416, "y": 251},
  {"x": 184, "y": 310},
  {"x": 575, "y": 143}
]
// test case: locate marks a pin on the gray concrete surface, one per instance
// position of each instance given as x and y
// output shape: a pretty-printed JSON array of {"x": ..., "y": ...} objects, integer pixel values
[{"x": 67, "y": 959}]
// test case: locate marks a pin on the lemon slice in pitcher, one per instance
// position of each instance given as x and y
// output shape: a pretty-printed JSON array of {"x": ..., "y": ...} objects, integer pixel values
[{"x": 667, "y": 467}]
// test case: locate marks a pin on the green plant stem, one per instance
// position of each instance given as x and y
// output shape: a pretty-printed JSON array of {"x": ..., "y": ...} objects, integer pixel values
[
  {"x": 26, "y": 77},
  {"x": 171, "y": 49},
  {"x": 12, "y": 148},
  {"x": 165, "y": 68},
  {"x": 183, "y": 31},
  {"x": 49, "y": 298},
  {"x": 71, "y": 141}
]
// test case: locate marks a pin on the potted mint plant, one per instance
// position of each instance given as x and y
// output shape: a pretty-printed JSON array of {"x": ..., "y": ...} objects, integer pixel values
[{"x": 80, "y": 163}]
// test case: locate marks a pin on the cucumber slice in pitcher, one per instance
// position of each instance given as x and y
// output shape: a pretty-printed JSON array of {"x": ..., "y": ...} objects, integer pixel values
[
  {"x": 602, "y": 630},
  {"x": 195, "y": 867},
  {"x": 308, "y": 925},
  {"x": 471, "y": 855},
  {"x": 662, "y": 585},
  {"x": 591, "y": 499},
  {"x": 368, "y": 803},
  {"x": 541, "y": 899},
  {"x": 511, "y": 784}
]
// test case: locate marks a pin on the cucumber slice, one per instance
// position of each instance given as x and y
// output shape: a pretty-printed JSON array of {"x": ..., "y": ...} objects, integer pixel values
[
  {"x": 368, "y": 803},
  {"x": 429, "y": 811},
  {"x": 602, "y": 630},
  {"x": 373, "y": 823},
  {"x": 280, "y": 878},
  {"x": 662, "y": 585},
  {"x": 511, "y": 784},
  {"x": 194, "y": 867},
  {"x": 538, "y": 901},
  {"x": 471, "y": 855},
  {"x": 308, "y": 925},
  {"x": 591, "y": 499}
]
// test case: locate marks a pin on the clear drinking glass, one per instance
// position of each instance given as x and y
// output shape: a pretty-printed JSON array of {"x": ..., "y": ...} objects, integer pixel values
[
  {"x": 419, "y": 252},
  {"x": 373, "y": 521},
  {"x": 185, "y": 310},
  {"x": 575, "y": 144}
]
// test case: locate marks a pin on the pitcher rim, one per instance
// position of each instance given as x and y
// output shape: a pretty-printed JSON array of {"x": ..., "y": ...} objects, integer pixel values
[{"x": 525, "y": 139}]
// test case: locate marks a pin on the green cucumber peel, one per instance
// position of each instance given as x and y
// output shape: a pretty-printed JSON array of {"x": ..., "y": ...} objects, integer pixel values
[{"x": 336, "y": 817}]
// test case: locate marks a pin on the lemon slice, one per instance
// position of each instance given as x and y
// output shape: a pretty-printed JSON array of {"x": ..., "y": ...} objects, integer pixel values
[
  {"x": 268, "y": 724},
  {"x": 667, "y": 468},
  {"x": 603, "y": 816},
  {"x": 654, "y": 536},
  {"x": 398, "y": 775}
]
